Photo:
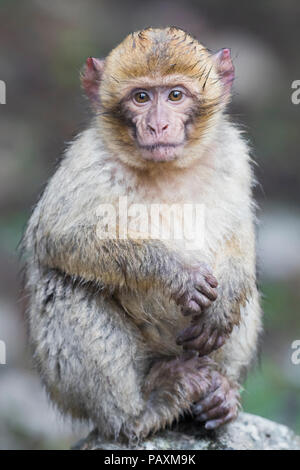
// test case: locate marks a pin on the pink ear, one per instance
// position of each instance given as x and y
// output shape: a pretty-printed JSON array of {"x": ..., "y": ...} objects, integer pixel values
[
  {"x": 225, "y": 67},
  {"x": 91, "y": 77}
]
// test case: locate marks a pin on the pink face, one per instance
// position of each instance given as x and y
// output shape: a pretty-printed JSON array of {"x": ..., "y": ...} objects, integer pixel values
[{"x": 159, "y": 116}]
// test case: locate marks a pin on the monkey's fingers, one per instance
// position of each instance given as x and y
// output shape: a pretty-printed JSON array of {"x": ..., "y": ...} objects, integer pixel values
[
  {"x": 211, "y": 280},
  {"x": 196, "y": 304},
  {"x": 190, "y": 333},
  {"x": 204, "y": 344},
  {"x": 214, "y": 342},
  {"x": 206, "y": 272},
  {"x": 192, "y": 307},
  {"x": 201, "y": 299},
  {"x": 201, "y": 339},
  {"x": 206, "y": 289}
]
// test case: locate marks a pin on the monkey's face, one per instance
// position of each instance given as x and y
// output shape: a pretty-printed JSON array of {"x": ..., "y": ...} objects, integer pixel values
[
  {"x": 159, "y": 118},
  {"x": 159, "y": 96}
]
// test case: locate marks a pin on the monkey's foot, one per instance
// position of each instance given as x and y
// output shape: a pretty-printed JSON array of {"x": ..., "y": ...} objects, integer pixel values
[
  {"x": 193, "y": 374},
  {"x": 202, "y": 338},
  {"x": 220, "y": 406}
]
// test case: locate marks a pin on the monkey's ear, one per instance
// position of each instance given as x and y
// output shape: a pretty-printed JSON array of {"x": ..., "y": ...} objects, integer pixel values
[
  {"x": 225, "y": 68},
  {"x": 91, "y": 77}
]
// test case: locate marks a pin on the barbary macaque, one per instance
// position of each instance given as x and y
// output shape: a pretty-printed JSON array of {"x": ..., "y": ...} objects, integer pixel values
[{"x": 135, "y": 332}]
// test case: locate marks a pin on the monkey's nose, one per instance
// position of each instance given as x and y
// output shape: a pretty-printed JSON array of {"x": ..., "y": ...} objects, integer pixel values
[{"x": 158, "y": 129}]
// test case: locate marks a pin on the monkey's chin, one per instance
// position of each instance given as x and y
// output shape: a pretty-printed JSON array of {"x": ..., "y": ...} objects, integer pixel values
[{"x": 161, "y": 153}]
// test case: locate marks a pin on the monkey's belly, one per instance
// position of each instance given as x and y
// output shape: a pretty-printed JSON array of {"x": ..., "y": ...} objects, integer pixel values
[{"x": 158, "y": 319}]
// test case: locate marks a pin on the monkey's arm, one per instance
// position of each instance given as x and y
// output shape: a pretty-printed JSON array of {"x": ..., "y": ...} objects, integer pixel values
[
  {"x": 235, "y": 271},
  {"x": 78, "y": 251}
]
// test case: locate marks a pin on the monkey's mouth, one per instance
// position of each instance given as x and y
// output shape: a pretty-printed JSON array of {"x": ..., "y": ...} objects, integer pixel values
[{"x": 160, "y": 151}]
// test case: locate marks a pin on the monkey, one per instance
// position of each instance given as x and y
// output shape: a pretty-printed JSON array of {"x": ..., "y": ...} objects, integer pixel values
[{"x": 135, "y": 332}]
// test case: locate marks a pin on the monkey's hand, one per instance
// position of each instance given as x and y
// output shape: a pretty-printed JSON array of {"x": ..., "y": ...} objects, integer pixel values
[
  {"x": 201, "y": 337},
  {"x": 198, "y": 292},
  {"x": 221, "y": 405}
]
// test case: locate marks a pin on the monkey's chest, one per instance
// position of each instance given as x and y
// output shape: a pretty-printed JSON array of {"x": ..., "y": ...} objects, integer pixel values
[{"x": 158, "y": 319}]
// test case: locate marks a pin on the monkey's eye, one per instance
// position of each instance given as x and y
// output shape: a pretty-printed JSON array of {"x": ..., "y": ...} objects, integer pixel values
[
  {"x": 175, "y": 95},
  {"x": 141, "y": 97}
]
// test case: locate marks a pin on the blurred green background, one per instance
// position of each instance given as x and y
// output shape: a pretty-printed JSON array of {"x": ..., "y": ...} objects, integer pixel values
[{"x": 42, "y": 48}]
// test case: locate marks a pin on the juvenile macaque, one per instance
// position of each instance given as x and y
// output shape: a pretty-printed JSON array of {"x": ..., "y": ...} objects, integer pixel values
[{"x": 133, "y": 332}]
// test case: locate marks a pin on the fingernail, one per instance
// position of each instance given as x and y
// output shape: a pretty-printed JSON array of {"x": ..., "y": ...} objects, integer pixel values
[{"x": 210, "y": 425}]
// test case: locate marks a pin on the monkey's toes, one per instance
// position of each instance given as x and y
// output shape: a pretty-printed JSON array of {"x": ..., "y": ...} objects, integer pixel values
[{"x": 220, "y": 406}]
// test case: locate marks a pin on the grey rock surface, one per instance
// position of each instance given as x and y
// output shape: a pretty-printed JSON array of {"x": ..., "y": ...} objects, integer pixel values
[{"x": 248, "y": 432}]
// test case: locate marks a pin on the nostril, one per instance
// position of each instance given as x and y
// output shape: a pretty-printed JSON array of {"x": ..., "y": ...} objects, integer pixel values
[
  {"x": 157, "y": 130},
  {"x": 151, "y": 129}
]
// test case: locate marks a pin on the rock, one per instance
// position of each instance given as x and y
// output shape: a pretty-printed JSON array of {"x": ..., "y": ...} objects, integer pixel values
[{"x": 248, "y": 432}]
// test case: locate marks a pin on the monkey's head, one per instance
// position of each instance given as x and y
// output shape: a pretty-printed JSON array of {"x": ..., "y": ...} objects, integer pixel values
[{"x": 159, "y": 96}]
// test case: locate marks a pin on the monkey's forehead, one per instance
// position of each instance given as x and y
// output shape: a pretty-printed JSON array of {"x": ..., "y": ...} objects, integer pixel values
[
  {"x": 167, "y": 50},
  {"x": 155, "y": 53}
]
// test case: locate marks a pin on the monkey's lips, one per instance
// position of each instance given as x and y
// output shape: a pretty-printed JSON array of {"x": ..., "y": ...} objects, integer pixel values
[{"x": 160, "y": 152}]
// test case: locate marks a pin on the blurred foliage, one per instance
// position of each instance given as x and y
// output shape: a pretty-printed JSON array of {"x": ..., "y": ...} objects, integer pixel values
[{"x": 269, "y": 390}]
